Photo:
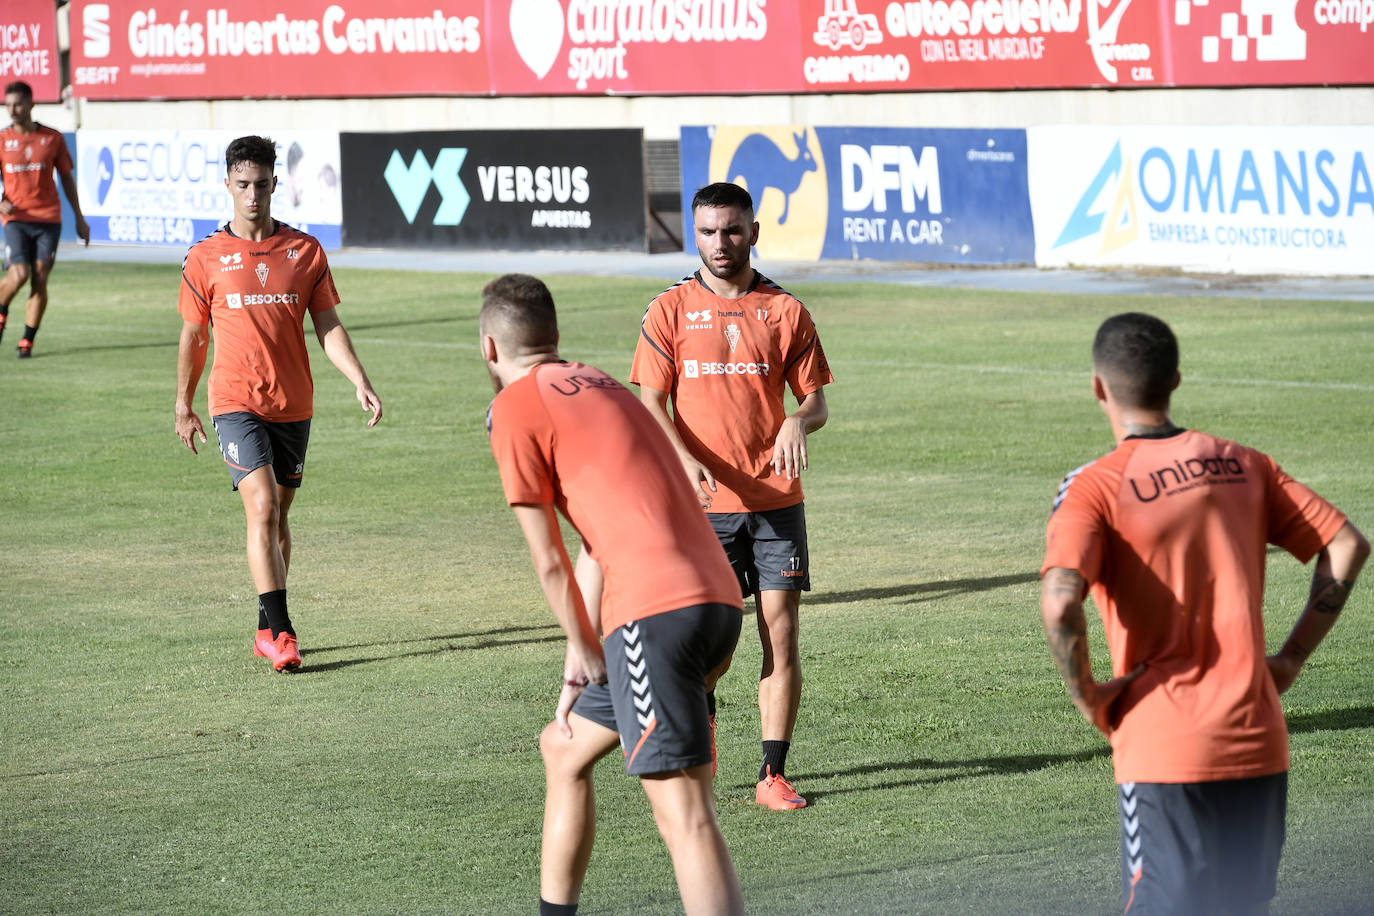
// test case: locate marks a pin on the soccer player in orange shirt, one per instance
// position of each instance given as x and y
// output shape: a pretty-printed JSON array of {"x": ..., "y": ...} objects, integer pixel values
[
  {"x": 1168, "y": 532},
  {"x": 254, "y": 280},
  {"x": 724, "y": 345},
  {"x": 31, "y": 210},
  {"x": 569, "y": 438}
]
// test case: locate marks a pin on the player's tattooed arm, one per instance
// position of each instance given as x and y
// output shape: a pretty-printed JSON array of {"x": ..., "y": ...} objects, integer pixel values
[
  {"x": 1066, "y": 630},
  {"x": 1338, "y": 566}
]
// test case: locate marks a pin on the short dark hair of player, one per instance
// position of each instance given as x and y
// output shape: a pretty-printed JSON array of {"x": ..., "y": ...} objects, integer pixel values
[
  {"x": 723, "y": 194},
  {"x": 19, "y": 87},
  {"x": 1137, "y": 356},
  {"x": 257, "y": 150},
  {"x": 518, "y": 309}
]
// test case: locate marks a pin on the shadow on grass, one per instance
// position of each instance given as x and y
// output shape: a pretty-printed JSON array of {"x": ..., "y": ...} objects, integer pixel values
[
  {"x": 452, "y": 642},
  {"x": 1331, "y": 720},
  {"x": 952, "y": 770},
  {"x": 928, "y": 591}
]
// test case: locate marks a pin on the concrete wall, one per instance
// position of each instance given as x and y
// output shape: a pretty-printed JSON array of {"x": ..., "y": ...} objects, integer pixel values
[{"x": 661, "y": 117}]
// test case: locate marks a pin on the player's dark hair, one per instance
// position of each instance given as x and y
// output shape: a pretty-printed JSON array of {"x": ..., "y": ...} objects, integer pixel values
[
  {"x": 257, "y": 150},
  {"x": 1137, "y": 356},
  {"x": 723, "y": 194},
  {"x": 21, "y": 88},
  {"x": 520, "y": 307}
]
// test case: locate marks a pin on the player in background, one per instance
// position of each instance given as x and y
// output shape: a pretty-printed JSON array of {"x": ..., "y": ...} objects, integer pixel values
[
  {"x": 1168, "y": 531},
  {"x": 724, "y": 345},
  {"x": 254, "y": 280},
  {"x": 568, "y": 438},
  {"x": 31, "y": 209}
]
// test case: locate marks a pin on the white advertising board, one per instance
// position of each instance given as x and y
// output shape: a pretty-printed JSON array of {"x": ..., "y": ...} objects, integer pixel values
[
  {"x": 1252, "y": 200},
  {"x": 166, "y": 187}
]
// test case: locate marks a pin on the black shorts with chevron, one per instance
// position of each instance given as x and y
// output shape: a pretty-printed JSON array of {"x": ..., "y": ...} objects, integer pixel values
[
  {"x": 655, "y": 694},
  {"x": 1200, "y": 847}
]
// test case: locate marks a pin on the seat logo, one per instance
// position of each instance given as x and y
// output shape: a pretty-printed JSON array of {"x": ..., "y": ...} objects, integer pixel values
[
  {"x": 95, "y": 30},
  {"x": 410, "y": 184}
]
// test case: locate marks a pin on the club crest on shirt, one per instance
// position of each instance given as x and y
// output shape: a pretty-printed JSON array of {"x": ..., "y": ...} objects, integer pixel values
[
  {"x": 261, "y": 271},
  {"x": 732, "y": 335}
]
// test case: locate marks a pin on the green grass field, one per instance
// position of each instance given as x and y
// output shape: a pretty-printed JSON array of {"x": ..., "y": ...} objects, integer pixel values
[{"x": 148, "y": 763}]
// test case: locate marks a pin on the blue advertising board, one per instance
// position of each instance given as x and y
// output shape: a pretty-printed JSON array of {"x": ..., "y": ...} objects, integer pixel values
[{"x": 886, "y": 193}]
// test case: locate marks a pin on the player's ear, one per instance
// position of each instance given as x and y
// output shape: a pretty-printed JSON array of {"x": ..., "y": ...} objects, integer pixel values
[
  {"x": 1099, "y": 389},
  {"x": 488, "y": 348},
  {"x": 274, "y": 183},
  {"x": 754, "y": 234},
  {"x": 1178, "y": 377}
]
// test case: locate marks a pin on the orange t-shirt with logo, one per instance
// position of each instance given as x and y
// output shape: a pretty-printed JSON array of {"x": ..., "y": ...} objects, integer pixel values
[
  {"x": 28, "y": 161},
  {"x": 1170, "y": 533},
  {"x": 256, "y": 295},
  {"x": 570, "y": 435},
  {"x": 726, "y": 364}
]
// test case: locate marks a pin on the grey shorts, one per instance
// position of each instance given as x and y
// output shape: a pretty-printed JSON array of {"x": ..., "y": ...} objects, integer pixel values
[
  {"x": 248, "y": 442},
  {"x": 29, "y": 243},
  {"x": 767, "y": 550},
  {"x": 1201, "y": 847},
  {"x": 655, "y": 690}
]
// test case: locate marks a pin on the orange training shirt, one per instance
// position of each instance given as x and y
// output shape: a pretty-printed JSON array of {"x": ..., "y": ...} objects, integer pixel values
[
  {"x": 724, "y": 364},
  {"x": 1170, "y": 533},
  {"x": 28, "y": 161},
  {"x": 256, "y": 295},
  {"x": 570, "y": 435}
]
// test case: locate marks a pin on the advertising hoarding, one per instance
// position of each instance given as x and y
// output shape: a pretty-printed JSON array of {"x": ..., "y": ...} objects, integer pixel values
[
  {"x": 28, "y": 47},
  {"x": 166, "y": 187},
  {"x": 511, "y": 189},
  {"x": 906, "y": 194},
  {"x": 1274, "y": 200},
  {"x": 123, "y": 49}
]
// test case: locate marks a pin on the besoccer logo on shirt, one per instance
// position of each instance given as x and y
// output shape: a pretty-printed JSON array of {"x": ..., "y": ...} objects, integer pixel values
[
  {"x": 233, "y": 300},
  {"x": 690, "y": 369}
]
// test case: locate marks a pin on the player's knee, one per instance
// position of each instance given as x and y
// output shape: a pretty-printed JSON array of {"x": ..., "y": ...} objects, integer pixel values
[
  {"x": 563, "y": 758},
  {"x": 19, "y": 273}
]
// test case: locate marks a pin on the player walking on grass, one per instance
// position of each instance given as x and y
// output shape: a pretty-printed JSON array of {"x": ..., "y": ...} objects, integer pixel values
[
  {"x": 1168, "y": 531},
  {"x": 254, "y": 280},
  {"x": 31, "y": 210},
  {"x": 568, "y": 438},
  {"x": 723, "y": 345}
]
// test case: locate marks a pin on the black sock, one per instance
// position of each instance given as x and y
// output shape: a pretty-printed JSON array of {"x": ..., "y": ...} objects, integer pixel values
[
  {"x": 273, "y": 605},
  {"x": 774, "y": 758},
  {"x": 556, "y": 909},
  {"x": 29, "y": 332},
  {"x": 262, "y": 615},
  {"x": 710, "y": 702}
]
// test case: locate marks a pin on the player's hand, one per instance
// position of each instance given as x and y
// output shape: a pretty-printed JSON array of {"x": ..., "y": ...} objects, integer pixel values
[
  {"x": 1284, "y": 670},
  {"x": 702, "y": 480},
  {"x": 83, "y": 231},
  {"x": 1099, "y": 707},
  {"x": 368, "y": 398},
  {"x": 6, "y": 207},
  {"x": 188, "y": 426},
  {"x": 789, "y": 449},
  {"x": 566, "y": 698}
]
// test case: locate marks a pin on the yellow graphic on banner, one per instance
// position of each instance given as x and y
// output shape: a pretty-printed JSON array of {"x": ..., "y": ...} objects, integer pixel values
[{"x": 782, "y": 169}]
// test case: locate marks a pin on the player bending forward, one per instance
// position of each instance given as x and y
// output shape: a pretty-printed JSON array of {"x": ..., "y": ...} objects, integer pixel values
[
  {"x": 567, "y": 436},
  {"x": 1169, "y": 531}
]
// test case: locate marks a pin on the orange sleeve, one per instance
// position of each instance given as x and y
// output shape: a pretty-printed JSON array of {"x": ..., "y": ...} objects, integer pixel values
[
  {"x": 62, "y": 162},
  {"x": 1076, "y": 532},
  {"x": 324, "y": 296},
  {"x": 654, "y": 361},
  {"x": 807, "y": 369},
  {"x": 194, "y": 301},
  {"x": 520, "y": 434},
  {"x": 1300, "y": 521}
]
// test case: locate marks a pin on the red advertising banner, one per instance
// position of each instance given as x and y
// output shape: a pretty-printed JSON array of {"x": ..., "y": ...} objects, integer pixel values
[
  {"x": 1270, "y": 42},
  {"x": 647, "y": 47},
  {"x": 28, "y": 47},
  {"x": 123, "y": 49}
]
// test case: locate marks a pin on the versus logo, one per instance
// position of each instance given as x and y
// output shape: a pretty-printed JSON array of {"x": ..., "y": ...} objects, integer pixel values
[
  {"x": 410, "y": 184},
  {"x": 704, "y": 315},
  {"x": 235, "y": 258}
]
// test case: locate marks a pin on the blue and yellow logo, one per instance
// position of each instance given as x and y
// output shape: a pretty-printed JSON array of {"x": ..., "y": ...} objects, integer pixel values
[
  {"x": 1118, "y": 225},
  {"x": 783, "y": 170}
]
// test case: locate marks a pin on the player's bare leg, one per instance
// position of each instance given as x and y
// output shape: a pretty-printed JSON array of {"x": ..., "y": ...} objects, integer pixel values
[
  {"x": 10, "y": 284},
  {"x": 262, "y": 507},
  {"x": 685, "y": 811},
  {"x": 285, "y": 496},
  {"x": 38, "y": 295},
  {"x": 780, "y": 680},
  {"x": 569, "y": 805}
]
